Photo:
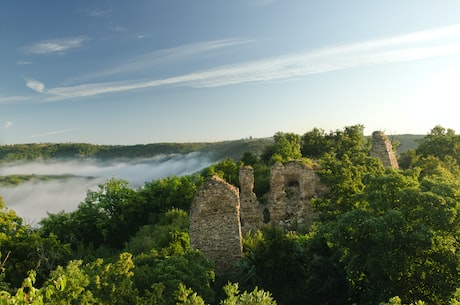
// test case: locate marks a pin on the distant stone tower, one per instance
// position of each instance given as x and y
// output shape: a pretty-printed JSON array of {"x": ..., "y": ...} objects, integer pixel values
[
  {"x": 383, "y": 150},
  {"x": 215, "y": 227}
]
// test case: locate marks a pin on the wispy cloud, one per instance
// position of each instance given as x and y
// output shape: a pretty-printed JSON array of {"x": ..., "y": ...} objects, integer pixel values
[
  {"x": 167, "y": 56},
  {"x": 8, "y": 124},
  {"x": 94, "y": 12},
  {"x": 143, "y": 36},
  {"x": 116, "y": 28},
  {"x": 52, "y": 133},
  {"x": 56, "y": 46},
  {"x": 23, "y": 62},
  {"x": 13, "y": 99},
  {"x": 416, "y": 46}
]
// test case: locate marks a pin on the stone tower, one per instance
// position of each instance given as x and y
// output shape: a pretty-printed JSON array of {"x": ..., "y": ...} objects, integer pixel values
[
  {"x": 383, "y": 150},
  {"x": 215, "y": 227}
]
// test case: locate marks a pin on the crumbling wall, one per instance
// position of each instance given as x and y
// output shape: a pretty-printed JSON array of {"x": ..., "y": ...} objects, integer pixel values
[
  {"x": 215, "y": 227},
  {"x": 251, "y": 210},
  {"x": 220, "y": 212},
  {"x": 292, "y": 186},
  {"x": 383, "y": 150}
]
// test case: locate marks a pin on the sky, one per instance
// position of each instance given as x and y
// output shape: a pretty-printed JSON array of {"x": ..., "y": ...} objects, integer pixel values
[{"x": 146, "y": 71}]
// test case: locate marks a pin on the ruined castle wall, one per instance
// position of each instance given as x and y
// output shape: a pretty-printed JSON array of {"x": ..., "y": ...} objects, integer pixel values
[
  {"x": 220, "y": 212},
  {"x": 292, "y": 186},
  {"x": 383, "y": 150},
  {"x": 215, "y": 227},
  {"x": 251, "y": 210}
]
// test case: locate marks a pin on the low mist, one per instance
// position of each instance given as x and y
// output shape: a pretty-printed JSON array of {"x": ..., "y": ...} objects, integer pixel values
[{"x": 32, "y": 200}]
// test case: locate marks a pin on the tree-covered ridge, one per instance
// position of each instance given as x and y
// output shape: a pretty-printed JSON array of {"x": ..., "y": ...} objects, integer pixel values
[
  {"x": 382, "y": 236},
  {"x": 220, "y": 150},
  {"x": 65, "y": 151}
]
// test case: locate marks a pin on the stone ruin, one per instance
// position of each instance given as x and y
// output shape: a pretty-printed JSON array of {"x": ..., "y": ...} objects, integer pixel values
[
  {"x": 221, "y": 213},
  {"x": 383, "y": 150},
  {"x": 215, "y": 227}
]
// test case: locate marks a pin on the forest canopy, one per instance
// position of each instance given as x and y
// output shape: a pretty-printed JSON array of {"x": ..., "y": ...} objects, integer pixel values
[{"x": 382, "y": 236}]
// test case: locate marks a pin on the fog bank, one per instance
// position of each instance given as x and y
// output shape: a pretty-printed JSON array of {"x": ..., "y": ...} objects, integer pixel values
[{"x": 32, "y": 200}]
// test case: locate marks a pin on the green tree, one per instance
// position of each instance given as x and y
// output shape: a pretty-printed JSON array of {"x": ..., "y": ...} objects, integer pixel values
[
  {"x": 227, "y": 170},
  {"x": 186, "y": 296},
  {"x": 400, "y": 240},
  {"x": 297, "y": 269},
  {"x": 172, "y": 192},
  {"x": 349, "y": 141},
  {"x": 249, "y": 158},
  {"x": 440, "y": 142},
  {"x": 315, "y": 143},
  {"x": 27, "y": 250},
  {"x": 169, "y": 235},
  {"x": 191, "y": 269},
  {"x": 68, "y": 285},
  {"x": 256, "y": 297},
  {"x": 112, "y": 282},
  {"x": 287, "y": 147}
]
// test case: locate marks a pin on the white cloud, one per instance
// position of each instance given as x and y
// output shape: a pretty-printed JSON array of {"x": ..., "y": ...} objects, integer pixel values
[
  {"x": 36, "y": 85},
  {"x": 404, "y": 48},
  {"x": 58, "y": 46},
  {"x": 8, "y": 124}
]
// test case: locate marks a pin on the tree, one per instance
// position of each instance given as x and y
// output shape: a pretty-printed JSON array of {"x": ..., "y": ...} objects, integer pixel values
[
  {"x": 297, "y": 269},
  {"x": 287, "y": 147},
  {"x": 249, "y": 158},
  {"x": 171, "y": 192},
  {"x": 68, "y": 286},
  {"x": 169, "y": 235},
  {"x": 25, "y": 249},
  {"x": 440, "y": 142},
  {"x": 349, "y": 141},
  {"x": 186, "y": 296},
  {"x": 256, "y": 297},
  {"x": 112, "y": 282},
  {"x": 400, "y": 240},
  {"x": 191, "y": 269},
  {"x": 10, "y": 223},
  {"x": 315, "y": 143},
  {"x": 226, "y": 169}
]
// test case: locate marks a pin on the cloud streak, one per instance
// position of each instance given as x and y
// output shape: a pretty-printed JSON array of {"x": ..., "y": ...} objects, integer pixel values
[
  {"x": 167, "y": 56},
  {"x": 13, "y": 99},
  {"x": 415, "y": 46},
  {"x": 55, "y": 132},
  {"x": 56, "y": 46}
]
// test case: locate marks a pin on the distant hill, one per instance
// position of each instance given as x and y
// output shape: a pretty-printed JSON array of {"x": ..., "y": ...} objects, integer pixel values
[
  {"x": 217, "y": 150},
  {"x": 66, "y": 151},
  {"x": 407, "y": 141}
]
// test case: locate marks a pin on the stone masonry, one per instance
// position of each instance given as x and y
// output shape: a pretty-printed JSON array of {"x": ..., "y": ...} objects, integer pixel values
[
  {"x": 215, "y": 227},
  {"x": 383, "y": 150},
  {"x": 217, "y": 220},
  {"x": 221, "y": 213}
]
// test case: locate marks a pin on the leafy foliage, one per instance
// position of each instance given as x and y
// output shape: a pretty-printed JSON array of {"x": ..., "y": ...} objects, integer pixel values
[{"x": 382, "y": 237}]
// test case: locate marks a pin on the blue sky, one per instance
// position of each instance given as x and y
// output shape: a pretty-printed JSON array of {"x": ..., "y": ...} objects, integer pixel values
[{"x": 145, "y": 71}]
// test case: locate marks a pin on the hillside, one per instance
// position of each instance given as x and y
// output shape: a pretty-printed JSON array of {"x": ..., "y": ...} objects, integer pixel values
[
  {"x": 65, "y": 151},
  {"x": 218, "y": 150},
  {"x": 407, "y": 141}
]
